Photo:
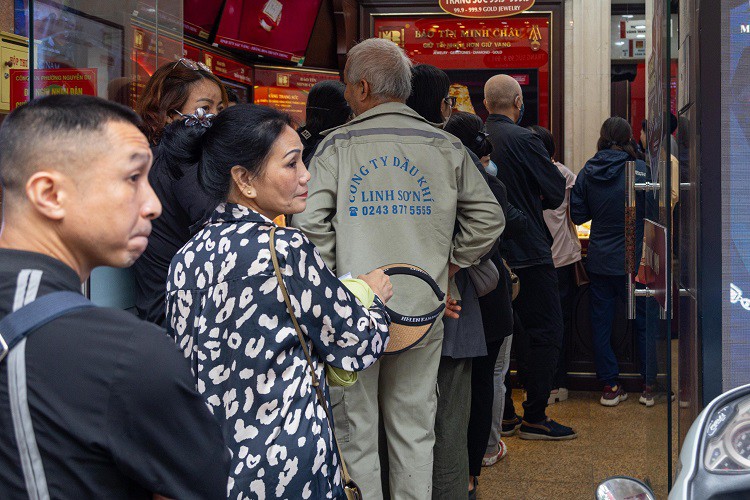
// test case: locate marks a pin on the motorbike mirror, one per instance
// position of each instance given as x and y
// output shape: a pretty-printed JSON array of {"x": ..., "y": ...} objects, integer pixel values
[{"x": 623, "y": 488}]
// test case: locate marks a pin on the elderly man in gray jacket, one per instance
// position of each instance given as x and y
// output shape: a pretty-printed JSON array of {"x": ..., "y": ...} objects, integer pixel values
[{"x": 389, "y": 187}]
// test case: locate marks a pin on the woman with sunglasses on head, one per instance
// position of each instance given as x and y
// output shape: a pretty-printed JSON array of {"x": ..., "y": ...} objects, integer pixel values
[
  {"x": 228, "y": 312},
  {"x": 176, "y": 90}
]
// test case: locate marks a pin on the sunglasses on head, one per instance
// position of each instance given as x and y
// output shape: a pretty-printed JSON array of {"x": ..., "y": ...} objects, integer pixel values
[
  {"x": 450, "y": 100},
  {"x": 190, "y": 64}
]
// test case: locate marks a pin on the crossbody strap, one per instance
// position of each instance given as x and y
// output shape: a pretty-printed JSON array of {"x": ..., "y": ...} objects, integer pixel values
[
  {"x": 315, "y": 381},
  {"x": 14, "y": 329}
]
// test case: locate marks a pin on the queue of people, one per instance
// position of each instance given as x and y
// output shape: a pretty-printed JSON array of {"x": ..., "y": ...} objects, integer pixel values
[{"x": 261, "y": 364}]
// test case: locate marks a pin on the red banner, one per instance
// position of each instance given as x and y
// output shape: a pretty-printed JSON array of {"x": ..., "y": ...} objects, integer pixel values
[
  {"x": 191, "y": 52},
  {"x": 268, "y": 27},
  {"x": 224, "y": 67},
  {"x": 200, "y": 17},
  {"x": 287, "y": 89},
  {"x": 70, "y": 81},
  {"x": 485, "y": 8}
]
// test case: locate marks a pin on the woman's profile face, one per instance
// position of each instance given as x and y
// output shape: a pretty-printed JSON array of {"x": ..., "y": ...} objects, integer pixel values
[
  {"x": 281, "y": 187},
  {"x": 203, "y": 94}
]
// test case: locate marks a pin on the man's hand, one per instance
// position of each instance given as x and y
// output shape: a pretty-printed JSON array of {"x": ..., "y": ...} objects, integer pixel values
[
  {"x": 380, "y": 284},
  {"x": 451, "y": 307}
]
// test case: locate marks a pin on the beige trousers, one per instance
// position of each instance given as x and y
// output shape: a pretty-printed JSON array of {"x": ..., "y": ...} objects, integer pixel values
[{"x": 405, "y": 385}]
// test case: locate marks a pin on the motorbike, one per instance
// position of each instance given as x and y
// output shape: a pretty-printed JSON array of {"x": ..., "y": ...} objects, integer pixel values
[{"x": 714, "y": 461}]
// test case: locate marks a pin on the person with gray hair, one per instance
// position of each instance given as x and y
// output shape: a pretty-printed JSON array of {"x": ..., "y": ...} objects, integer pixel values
[
  {"x": 389, "y": 187},
  {"x": 383, "y": 67}
]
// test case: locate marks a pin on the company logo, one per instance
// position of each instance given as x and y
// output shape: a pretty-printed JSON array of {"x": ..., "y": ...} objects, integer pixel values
[{"x": 745, "y": 28}]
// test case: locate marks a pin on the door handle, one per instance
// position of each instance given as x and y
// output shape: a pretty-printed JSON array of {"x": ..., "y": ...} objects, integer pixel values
[{"x": 630, "y": 244}]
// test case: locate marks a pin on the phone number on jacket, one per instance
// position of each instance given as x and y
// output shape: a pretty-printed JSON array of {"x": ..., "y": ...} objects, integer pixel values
[{"x": 390, "y": 210}]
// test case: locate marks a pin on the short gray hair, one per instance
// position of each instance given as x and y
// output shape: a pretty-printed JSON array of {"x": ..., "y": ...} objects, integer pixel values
[{"x": 383, "y": 65}]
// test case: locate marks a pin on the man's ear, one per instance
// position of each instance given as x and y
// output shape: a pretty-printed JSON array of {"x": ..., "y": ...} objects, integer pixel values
[
  {"x": 365, "y": 90},
  {"x": 48, "y": 192},
  {"x": 484, "y": 101},
  {"x": 243, "y": 181}
]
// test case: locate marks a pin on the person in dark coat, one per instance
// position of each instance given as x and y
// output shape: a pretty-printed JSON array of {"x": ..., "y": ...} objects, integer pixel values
[
  {"x": 534, "y": 184},
  {"x": 599, "y": 196},
  {"x": 326, "y": 109}
]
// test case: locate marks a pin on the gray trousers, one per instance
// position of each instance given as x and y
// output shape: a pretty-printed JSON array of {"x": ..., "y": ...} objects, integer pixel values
[
  {"x": 498, "y": 403},
  {"x": 450, "y": 475},
  {"x": 402, "y": 389}
]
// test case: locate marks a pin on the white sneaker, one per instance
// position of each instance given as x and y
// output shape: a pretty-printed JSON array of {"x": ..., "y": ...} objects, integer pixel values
[
  {"x": 557, "y": 395},
  {"x": 489, "y": 460}
]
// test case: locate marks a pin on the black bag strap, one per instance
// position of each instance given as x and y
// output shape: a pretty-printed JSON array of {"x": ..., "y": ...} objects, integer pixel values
[{"x": 17, "y": 325}]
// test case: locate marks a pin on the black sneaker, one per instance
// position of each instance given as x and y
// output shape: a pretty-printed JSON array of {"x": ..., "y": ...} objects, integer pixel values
[
  {"x": 548, "y": 430},
  {"x": 510, "y": 426}
]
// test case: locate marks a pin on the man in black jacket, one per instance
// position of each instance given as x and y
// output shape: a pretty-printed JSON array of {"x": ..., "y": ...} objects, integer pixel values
[
  {"x": 534, "y": 184},
  {"x": 96, "y": 403}
]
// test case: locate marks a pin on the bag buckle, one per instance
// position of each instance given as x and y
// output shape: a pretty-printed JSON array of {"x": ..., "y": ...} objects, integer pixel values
[{"x": 3, "y": 348}]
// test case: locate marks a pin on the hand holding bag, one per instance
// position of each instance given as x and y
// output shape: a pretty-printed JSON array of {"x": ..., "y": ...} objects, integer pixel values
[{"x": 351, "y": 489}]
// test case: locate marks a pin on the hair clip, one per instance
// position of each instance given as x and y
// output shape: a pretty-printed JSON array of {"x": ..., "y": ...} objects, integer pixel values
[{"x": 201, "y": 117}]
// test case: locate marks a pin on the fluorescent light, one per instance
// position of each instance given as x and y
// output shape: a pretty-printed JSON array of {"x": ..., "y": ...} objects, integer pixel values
[
  {"x": 640, "y": 35},
  {"x": 641, "y": 27},
  {"x": 628, "y": 16},
  {"x": 619, "y": 43}
]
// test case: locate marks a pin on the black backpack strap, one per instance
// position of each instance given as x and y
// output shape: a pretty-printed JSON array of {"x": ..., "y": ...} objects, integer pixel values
[
  {"x": 14, "y": 328},
  {"x": 16, "y": 325}
]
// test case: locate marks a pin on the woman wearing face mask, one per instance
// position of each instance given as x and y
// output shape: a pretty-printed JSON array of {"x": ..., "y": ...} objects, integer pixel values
[
  {"x": 175, "y": 90},
  {"x": 227, "y": 311},
  {"x": 464, "y": 339},
  {"x": 484, "y": 447}
]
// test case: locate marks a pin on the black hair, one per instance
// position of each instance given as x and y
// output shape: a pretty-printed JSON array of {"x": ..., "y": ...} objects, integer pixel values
[
  {"x": 232, "y": 95},
  {"x": 326, "y": 106},
  {"x": 469, "y": 128},
  {"x": 30, "y": 129},
  {"x": 616, "y": 132},
  {"x": 240, "y": 135},
  {"x": 546, "y": 137},
  {"x": 429, "y": 86}
]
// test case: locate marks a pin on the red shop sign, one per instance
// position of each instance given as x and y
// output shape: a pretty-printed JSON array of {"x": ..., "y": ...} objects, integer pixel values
[
  {"x": 70, "y": 81},
  {"x": 228, "y": 68},
  {"x": 485, "y": 8},
  {"x": 450, "y": 43},
  {"x": 287, "y": 89}
]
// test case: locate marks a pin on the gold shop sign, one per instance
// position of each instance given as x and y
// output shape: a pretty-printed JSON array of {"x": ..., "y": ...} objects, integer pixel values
[{"x": 485, "y": 8}]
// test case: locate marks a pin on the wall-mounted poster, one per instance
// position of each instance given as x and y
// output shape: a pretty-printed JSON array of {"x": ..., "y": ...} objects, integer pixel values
[
  {"x": 286, "y": 89},
  {"x": 473, "y": 50},
  {"x": 69, "y": 81},
  {"x": 274, "y": 28}
]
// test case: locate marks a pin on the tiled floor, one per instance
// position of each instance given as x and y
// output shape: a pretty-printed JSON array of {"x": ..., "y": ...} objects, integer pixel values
[{"x": 629, "y": 439}]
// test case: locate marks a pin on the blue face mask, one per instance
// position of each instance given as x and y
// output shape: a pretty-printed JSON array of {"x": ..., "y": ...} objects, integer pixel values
[
  {"x": 491, "y": 168},
  {"x": 520, "y": 116}
]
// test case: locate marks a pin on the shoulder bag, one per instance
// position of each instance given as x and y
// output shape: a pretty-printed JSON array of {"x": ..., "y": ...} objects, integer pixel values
[{"x": 350, "y": 487}]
